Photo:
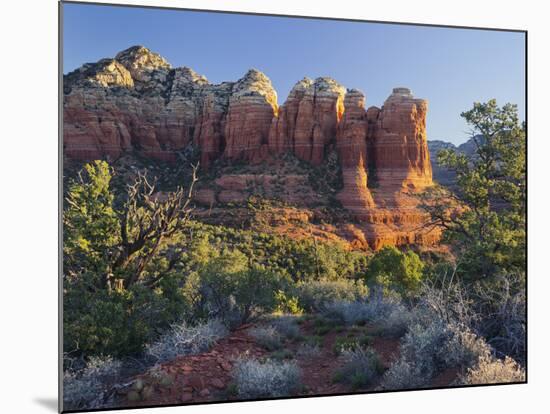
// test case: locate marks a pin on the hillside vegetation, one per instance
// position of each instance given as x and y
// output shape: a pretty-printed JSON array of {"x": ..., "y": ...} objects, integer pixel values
[{"x": 154, "y": 294}]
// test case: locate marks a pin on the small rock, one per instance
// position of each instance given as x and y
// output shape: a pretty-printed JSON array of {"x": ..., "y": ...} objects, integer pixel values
[
  {"x": 186, "y": 396},
  {"x": 138, "y": 385},
  {"x": 133, "y": 396},
  {"x": 217, "y": 383},
  {"x": 195, "y": 381},
  {"x": 205, "y": 392},
  {"x": 226, "y": 366},
  {"x": 147, "y": 392},
  {"x": 166, "y": 380}
]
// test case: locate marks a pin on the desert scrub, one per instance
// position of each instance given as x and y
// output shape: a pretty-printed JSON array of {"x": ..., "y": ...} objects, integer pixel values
[
  {"x": 494, "y": 371},
  {"x": 403, "y": 375},
  {"x": 431, "y": 347},
  {"x": 185, "y": 340},
  {"x": 361, "y": 367},
  {"x": 464, "y": 348},
  {"x": 255, "y": 379},
  {"x": 308, "y": 350},
  {"x": 322, "y": 326},
  {"x": 342, "y": 344},
  {"x": 286, "y": 326},
  {"x": 389, "y": 315},
  {"x": 315, "y": 295},
  {"x": 314, "y": 340},
  {"x": 267, "y": 336},
  {"x": 282, "y": 354},
  {"x": 287, "y": 304},
  {"x": 88, "y": 387}
]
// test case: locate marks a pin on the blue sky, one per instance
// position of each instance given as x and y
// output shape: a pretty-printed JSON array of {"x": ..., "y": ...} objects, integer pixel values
[{"x": 451, "y": 68}]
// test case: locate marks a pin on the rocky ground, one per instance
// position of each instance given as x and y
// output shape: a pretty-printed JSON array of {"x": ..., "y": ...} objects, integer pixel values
[{"x": 207, "y": 377}]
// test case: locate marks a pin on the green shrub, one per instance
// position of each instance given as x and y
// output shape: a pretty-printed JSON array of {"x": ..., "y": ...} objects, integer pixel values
[
  {"x": 361, "y": 367},
  {"x": 267, "y": 336},
  {"x": 255, "y": 292},
  {"x": 117, "y": 323},
  {"x": 298, "y": 259},
  {"x": 393, "y": 270},
  {"x": 350, "y": 343},
  {"x": 314, "y": 340},
  {"x": 90, "y": 222},
  {"x": 308, "y": 350},
  {"x": 287, "y": 304},
  {"x": 286, "y": 326},
  {"x": 282, "y": 354},
  {"x": 316, "y": 295},
  {"x": 235, "y": 293}
]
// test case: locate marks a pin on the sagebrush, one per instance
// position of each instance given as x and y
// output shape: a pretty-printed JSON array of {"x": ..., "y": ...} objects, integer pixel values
[{"x": 255, "y": 379}]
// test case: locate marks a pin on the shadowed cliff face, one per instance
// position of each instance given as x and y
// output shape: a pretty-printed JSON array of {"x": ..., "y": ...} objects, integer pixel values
[{"x": 137, "y": 102}]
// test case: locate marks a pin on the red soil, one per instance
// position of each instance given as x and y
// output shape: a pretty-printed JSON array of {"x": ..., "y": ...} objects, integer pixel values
[{"x": 207, "y": 376}]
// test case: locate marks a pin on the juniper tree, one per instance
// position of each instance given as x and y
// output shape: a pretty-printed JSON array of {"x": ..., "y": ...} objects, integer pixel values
[{"x": 483, "y": 215}]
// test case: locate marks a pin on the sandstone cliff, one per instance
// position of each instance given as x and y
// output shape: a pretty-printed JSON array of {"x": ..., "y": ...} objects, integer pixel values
[
  {"x": 399, "y": 141},
  {"x": 308, "y": 120},
  {"x": 137, "y": 102},
  {"x": 351, "y": 142}
]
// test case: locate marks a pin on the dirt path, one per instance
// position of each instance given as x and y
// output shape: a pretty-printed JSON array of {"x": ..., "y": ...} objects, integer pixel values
[
  {"x": 207, "y": 376},
  {"x": 202, "y": 377},
  {"x": 318, "y": 372}
]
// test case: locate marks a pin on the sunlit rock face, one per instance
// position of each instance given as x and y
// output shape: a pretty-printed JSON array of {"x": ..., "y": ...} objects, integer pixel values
[
  {"x": 351, "y": 142},
  {"x": 129, "y": 103},
  {"x": 137, "y": 102},
  {"x": 252, "y": 106},
  {"x": 399, "y": 142},
  {"x": 308, "y": 120}
]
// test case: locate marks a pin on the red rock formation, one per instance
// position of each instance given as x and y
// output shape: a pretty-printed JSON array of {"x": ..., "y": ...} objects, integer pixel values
[
  {"x": 308, "y": 120},
  {"x": 138, "y": 102},
  {"x": 209, "y": 131},
  {"x": 118, "y": 105},
  {"x": 252, "y": 106},
  {"x": 399, "y": 142},
  {"x": 351, "y": 143},
  {"x": 100, "y": 132},
  {"x": 283, "y": 127}
]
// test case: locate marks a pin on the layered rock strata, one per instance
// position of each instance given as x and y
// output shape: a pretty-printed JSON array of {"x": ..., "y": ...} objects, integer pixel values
[
  {"x": 137, "y": 101},
  {"x": 308, "y": 120},
  {"x": 351, "y": 143},
  {"x": 401, "y": 155}
]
